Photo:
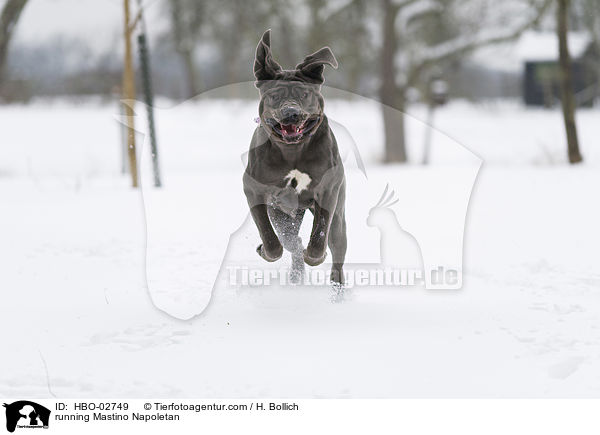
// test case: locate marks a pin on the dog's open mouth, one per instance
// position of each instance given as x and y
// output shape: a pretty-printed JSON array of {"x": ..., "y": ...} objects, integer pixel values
[{"x": 293, "y": 133}]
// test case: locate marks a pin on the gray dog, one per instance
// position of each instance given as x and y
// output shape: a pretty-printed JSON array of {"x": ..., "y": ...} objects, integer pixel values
[{"x": 294, "y": 164}]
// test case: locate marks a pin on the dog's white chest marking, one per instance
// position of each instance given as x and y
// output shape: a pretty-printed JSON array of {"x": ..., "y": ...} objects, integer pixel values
[{"x": 298, "y": 180}]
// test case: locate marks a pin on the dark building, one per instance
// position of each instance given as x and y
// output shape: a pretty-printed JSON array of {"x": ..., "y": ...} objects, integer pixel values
[
  {"x": 541, "y": 71},
  {"x": 541, "y": 83}
]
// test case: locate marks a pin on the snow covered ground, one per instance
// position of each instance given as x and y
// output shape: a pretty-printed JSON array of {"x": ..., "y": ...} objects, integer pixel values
[{"x": 78, "y": 319}]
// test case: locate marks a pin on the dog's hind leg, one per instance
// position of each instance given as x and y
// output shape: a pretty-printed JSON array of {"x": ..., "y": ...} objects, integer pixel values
[{"x": 287, "y": 228}]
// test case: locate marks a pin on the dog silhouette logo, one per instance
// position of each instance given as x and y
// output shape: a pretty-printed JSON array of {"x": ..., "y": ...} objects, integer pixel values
[{"x": 26, "y": 414}]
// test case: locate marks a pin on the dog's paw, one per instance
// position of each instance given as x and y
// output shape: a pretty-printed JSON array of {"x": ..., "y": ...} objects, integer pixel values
[
  {"x": 271, "y": 255},
  {"x": 312, "y": 261},
  {"x": 337, "y": 277}
]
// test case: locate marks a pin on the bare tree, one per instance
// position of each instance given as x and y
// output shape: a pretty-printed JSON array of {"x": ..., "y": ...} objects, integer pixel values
[
  {"x": 229, "y": 30},
  {"x": 232, "y": 29},
  {"x": 588, "y": 12},
  {"x": 8, "y": 20},
  {"x": 344, "y": 27},
  {"x": 355, "y": 50},
  {"x": 391, "y": 93},
  {"x": 286, "y": 29},
  {"x": 186, "y": 22},
  {"x": 566, "y": 82},
  {"x": 406, "y": 57},
  {"x": 317, "y": 29}
]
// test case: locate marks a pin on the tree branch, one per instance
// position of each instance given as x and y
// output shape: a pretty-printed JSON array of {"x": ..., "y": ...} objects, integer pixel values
[
  {"x": 403, "y": 4},
  {"x": 135, "y": 22},
  {"x": 341, "y": 10},
  {"x": 420, "y": 11},
  {"x": 8, "y": 20},
  {"x": 465, "y": 44}
]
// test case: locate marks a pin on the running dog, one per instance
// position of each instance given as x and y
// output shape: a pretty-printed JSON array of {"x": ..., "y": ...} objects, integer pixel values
[{"x": 294, "y": 165}]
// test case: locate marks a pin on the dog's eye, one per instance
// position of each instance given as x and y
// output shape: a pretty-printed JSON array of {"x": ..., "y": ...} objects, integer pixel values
[{"x": 305, "y": 95}]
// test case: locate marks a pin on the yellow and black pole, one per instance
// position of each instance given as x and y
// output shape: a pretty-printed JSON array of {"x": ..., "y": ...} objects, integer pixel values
[{"x": 148, "y": 95}]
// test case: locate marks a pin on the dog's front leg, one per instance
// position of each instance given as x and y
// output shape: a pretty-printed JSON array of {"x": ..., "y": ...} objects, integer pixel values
[
  {"x": 316, "y": 251},
  {"x": 270, "y": 249}
]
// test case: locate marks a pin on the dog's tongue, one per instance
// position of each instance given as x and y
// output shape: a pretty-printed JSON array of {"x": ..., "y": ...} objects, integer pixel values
[{"x": 288, "y": 129}]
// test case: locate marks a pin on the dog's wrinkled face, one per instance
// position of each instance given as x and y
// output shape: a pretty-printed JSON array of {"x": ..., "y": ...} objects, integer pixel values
[
  {"x": 291, "y": 105},
  {"x": 291, "y": 111}
]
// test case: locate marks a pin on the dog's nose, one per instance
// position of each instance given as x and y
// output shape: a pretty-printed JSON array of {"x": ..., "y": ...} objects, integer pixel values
[{"x": 290, "y": 115}]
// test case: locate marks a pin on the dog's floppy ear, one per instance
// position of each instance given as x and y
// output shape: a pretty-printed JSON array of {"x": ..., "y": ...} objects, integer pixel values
[
  {"x": 265, "y": 67},
  {"x": 313, "y": 65}
]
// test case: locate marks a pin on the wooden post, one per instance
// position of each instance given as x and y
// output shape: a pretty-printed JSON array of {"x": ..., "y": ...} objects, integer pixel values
[
  {"x": 129, "y": 97},
  {"x": 566, "y": 83}
]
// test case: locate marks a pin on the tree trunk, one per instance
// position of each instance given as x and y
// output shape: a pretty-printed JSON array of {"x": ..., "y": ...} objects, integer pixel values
[
  {"x": 316, "y": 34},
  {"x": 129, "y": 96},
  {"x": 190, "y": 72},
  {"x": 8, "y": 20},
  {"x": 566, "y": 83},
  {"x": 232, "y": 48},
  {"x": 390, "y": 95},
  {"x": 393, "y": 129},
  {"x": 183, "y": 33}
]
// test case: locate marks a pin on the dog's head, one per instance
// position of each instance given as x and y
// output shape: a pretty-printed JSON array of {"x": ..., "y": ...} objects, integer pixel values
[{"x": 291, "y": 104}]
